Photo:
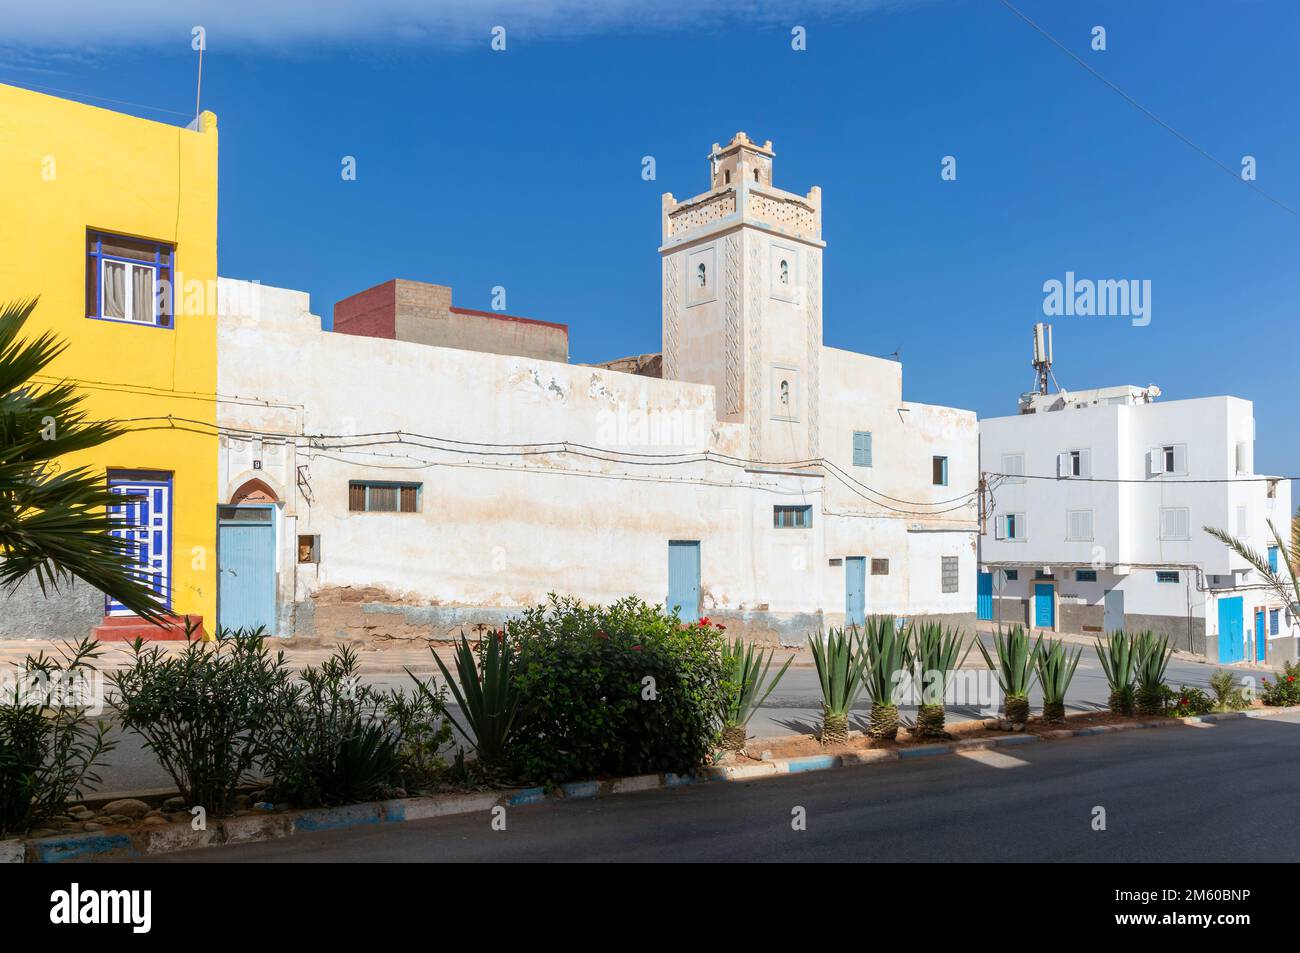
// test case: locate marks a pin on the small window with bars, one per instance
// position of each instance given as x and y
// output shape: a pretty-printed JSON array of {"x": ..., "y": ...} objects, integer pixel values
[
  {"x": 1166, "y": 575},
  {"x": 792, "y": 517},
  {"x": 949, "y": 570},
  {"x": 880, "y": 567},
  {"x": 1085, "y": 575},
  {"x": 373, "y": 497}
]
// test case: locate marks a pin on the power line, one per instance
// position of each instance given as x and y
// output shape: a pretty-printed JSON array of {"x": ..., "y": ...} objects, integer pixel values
[
  {"x": 103, "y": 99},
  {"x": 1149, "y": 114},
  {"x": 1145, "y": 482}
]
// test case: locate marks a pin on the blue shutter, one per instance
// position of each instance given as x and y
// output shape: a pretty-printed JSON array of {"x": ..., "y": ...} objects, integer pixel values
[
  {"x": 1272, "y": 559},
  {"x": 861, "y": 448}
]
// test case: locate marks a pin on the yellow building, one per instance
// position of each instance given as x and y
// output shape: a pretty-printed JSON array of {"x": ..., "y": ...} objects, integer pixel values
[{"x": 112, "y": 221}]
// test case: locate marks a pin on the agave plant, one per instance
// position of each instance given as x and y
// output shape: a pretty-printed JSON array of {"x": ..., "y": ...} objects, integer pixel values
[
  {"x": 937, "y": 652},
  {"x": 1056, "y": 665},
  {"x": 1119, "y": 662},
  {"x": 746, "y": 668},
  {"x": 487, "y": 695},
  {"x": 886, "y": 654},
  {"x": 839, "y": 661},
  {"x": 1152, "y": 658},
  {"x": 1014, "y": 669}
]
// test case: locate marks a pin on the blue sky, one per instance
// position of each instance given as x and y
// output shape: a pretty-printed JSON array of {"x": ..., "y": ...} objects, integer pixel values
[{"x": 522, "y": 168}]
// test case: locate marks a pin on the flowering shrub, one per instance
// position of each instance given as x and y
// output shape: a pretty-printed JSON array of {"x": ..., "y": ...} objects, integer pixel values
[
  {"x": 1187, "y": 701},
  {"x": 1283, "y": 690},
  {"x": 614, "y": 690}
]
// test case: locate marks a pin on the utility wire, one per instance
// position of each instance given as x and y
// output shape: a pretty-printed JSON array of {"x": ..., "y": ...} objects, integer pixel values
[{"x": 1149, "y": 114}]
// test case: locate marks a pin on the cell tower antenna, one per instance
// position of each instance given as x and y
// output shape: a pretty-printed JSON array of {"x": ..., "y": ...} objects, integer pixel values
[{"x": 1043, "y": 357}]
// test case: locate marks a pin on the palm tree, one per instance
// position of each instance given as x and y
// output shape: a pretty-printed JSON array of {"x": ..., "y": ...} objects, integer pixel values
[
  {"x": 55, "y": 524},
  {"x": 1286, "y": 586}
]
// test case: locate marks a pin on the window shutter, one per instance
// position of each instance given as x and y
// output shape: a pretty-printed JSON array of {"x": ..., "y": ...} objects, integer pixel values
[
  {"x": 861, "y": 448},
  {"x": 408, "y": 499},
  {"x": 999, "y": 527},
  {"x": 1243, "y": 522},
  {"x": 1085, "y": 463},
  {"x": 1081, "y": 524},
  {"x": 1062, "y": 464},
  {"x": 868, "y": 448},
  {"x": 357, "y": 497},
  {"x": 1180, "y": 459},
  {"x": 1243, "y": 457},
  {"x": 1022, "y": 526},
  {"x": 1156, "y": 460}
]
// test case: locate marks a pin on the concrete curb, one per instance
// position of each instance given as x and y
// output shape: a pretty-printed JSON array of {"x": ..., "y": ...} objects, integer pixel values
[{"x": 271, "y": 826}]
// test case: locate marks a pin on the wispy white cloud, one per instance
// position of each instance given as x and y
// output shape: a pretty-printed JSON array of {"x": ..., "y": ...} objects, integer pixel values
[{"x": 288, "y": 24}]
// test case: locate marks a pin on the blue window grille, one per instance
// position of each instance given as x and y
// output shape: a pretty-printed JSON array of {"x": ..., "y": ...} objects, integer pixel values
[
  {"x": 1273, "y": 621},
  {"x": 792, "y": 517},
  {"x": 861, "y": 448},
  {"x": 1085, "y": 575},
  {"x": 129, "y": 279},
  {"x": 1163, "y": 575},
  {"x": 1012, "y": 574}
]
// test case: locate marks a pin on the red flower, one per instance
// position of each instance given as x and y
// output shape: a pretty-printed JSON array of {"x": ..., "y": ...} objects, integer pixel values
[
  {"x": 1182, "y": 701},
  {"x": 721, "y": 627},
  {"x": 704, "y": 622},
  {"x": 636, "y": 648},
  {"x": 1290, "y": 678},
  {"x": 602, "y": 635}
]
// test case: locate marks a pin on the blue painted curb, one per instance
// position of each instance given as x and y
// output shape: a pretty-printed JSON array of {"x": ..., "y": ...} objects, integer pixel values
[
  {"x": 56, "y": 850},
  {"x": 527, "y": 796},
  {"x": 334, "y": 818},
  {"x": 811, "y": 763},
  {"x": 924, "y": 751},
  {"x": 581, "y": 788},
  {"x": 677, "y": 780}
]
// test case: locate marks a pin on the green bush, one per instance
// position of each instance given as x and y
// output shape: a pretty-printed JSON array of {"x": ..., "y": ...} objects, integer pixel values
[
  {"x": 1228, "y": 696},
  {"x": 614, "y": 690},
  {"x": 338, "y": 741},
  {"x": 48, "y": 751},
  {"x": 1188, "y": 700},
  {"x": 1283, "y": 690},
  {"x": 207, "y": 712}
]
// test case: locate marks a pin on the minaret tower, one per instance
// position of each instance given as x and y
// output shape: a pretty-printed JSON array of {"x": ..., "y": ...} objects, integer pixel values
[{"x": 742, "y": 299}]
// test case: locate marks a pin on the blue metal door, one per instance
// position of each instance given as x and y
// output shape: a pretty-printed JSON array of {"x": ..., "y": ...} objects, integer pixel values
[
  {"x": 1231, "y": 630},
  {"x": 984, "y": 596},
  {"x": 246, "y": 568},
  {"x": 1261, "y": 636},
  {"x": 855, "y": 591},
  {"x": 684, "y": 578},
  {"x": 146, "y": 522},
  {"x": 1044, "y": 605}
]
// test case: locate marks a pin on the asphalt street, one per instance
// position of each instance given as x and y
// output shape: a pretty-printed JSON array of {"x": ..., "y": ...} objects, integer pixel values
[{"x": 1178, "y": 794}]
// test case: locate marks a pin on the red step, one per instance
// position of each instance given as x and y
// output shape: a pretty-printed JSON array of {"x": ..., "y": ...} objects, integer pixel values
[{"x": 128, "y": 628}]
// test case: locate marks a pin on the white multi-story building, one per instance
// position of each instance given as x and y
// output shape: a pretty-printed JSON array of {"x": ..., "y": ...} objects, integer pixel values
[
  {"x": 1094, "y": 521},
  {"x": 425, "y": 467}
]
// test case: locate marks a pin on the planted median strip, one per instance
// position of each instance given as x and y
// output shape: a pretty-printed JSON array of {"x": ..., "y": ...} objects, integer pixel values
[{"x": 272, "y": 825}]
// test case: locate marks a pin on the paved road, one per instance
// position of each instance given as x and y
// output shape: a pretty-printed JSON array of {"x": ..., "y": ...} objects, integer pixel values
[
  {"x": 794, "y": 707},
  {"x": 1214, "y": 793}
]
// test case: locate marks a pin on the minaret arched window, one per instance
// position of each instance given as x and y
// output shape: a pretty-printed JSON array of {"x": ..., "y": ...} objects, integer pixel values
[
  {"x": 755, "y": 173},
  {"x": 785, "y": 272},
  {"x": 702, "y": 275}
]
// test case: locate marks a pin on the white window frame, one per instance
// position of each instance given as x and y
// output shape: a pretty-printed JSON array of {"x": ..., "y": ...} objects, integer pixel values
[
  {"x": 128, "y": 289},
  {"x": 1075, "y": 464},
  {"x": 1160, "y": 464},
  {"x": 1171, "y": 510},
  {"x": 1069, "y": 525},
  {"x": 1000, "y": 526},
  {"x": 1009, "y": 468}
]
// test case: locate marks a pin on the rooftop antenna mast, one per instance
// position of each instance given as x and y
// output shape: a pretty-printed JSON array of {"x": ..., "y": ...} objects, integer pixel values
[
  {"x": 1043, "y": 358},
  {"x": 199, "y": 40}
]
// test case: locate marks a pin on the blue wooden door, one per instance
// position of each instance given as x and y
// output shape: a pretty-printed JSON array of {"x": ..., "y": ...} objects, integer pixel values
[
  {"x": 1044, "y": 605},
  {"x": 1261, "y": 636},
  {"x": 855, "y": 591},
  {"x": 984, "y": 596},
  {"x": 246, "y": 568},
  {"x": 145, "y": 521},
  {"x": 1231, "y": 630},
  {"x": 684, "y": 578}
]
